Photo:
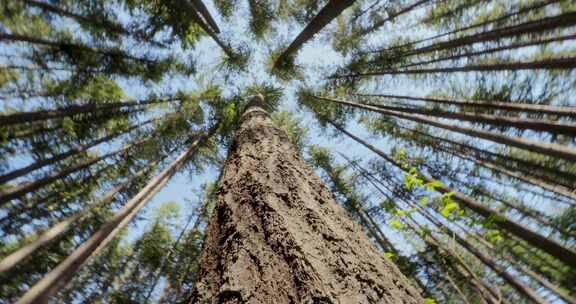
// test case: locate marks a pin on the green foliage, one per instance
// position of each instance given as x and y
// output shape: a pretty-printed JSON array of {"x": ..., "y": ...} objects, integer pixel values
[{"x": 293, "y": 127}]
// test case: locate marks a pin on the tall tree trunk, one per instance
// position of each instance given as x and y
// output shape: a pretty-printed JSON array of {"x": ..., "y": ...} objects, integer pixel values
[
  {"x": 487, "y": 292},
  {"x": 203, "y": 10},
  {"x": 329, "y": 12},
  {"x": 521, "y": 287},
  {"x": 476, "y": 25},
  {"x": 74, "y": 151},
  {"x": 60, "y": 276},
  {"x": 27, "y": 187},
  {"x": 490, "y": 50},
  {"x": 510, "y": 162},
  {"x": 488, "y": 104},
  {"x": 56, "y": 230},
  {"x": 526, "y": 144},
  {"x": 380, "y": 23},
  {"x": 26, "y": 117},
  {"x": 559, "y": 251},
  {"x": 567, "y": 63},
  {"x": 11, "y": 38},
  {"x": 521, "y": 123},
  {"x": 278, "y": 236},
  {"x": 536, "y": 26}
]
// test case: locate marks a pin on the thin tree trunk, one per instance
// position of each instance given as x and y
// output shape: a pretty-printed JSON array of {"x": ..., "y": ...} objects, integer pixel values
[
  {"x": 492, "y": 50},
  {"x": 567, "y": 63},
  {"x": 201, "y": 8},
  {"x": 456, "y": 288},
  {"x": 533, "y": 275},
  {"x": 526, "y": 144},
  {"x": 523, "y": 174},
  {"x": 536, "y": 26},
  {"x": 72, "y": 152},
  {"x": 60, "y": 276},
  {"x": 56, "y": 230},
  {"x": 329, "y": 12},
  {"x": 166, "y": 258},
  {"x": 557, "y": 189},
  {"x": 278, "y": 236},
  {"x": 555, "y": 249},
  {"x": 486, "y": 259},
  {"x": 503, "y": 160},
  {"x": 489, "y": 104},
  {"x": 402, "y": 11},
  {"x": 195, "y": 15},
  {"x": 473, "y": 26},
  {"x": 26, "y": 117},
  {"x": 104, "y": 24},
  {"x": 62, "y": 44},
  {"x": 495, "y": 120},
  {"x": 467, "y": 272},
  {"x": 25, "y": 188}
]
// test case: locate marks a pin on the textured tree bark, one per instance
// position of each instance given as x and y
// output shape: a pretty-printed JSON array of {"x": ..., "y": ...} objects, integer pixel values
[{"x": 278, "y": 236}]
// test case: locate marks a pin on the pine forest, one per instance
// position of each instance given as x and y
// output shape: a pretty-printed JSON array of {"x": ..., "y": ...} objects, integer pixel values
[{"x": 288, "y": 151}]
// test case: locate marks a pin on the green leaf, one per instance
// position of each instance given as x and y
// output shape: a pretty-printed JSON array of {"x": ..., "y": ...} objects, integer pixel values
[
  {"x": 396, "y": 224},
  {"x": 449, "y": 208}
]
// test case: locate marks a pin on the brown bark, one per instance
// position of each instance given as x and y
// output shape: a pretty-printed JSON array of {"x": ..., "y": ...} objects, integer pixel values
[
  {"x": 559, "y": 251},
  {"x": 522, "y": 143},
  {"x": 278, "y": 236},
  {"x": 541, "y": 125},
  {"x": 328, "y": 13},
  {"x": 488, "y": 104}
]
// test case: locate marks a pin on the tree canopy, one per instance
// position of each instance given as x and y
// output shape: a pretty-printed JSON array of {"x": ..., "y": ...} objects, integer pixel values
[{"x": 445, "y": 129}]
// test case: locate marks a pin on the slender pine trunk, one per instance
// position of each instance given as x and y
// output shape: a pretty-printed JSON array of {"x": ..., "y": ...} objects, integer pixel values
[
  {"x": 380, "y": 23},
  {"x": 60, "y": 276},
  {"x": 329, "y": 12},
  {"x": 278, "y": 236},
  {"x": 536, "y": 26},
  {"x": 22, "y": 189},
  {"x": 567, "y": 63},
  {"x": 72, "y": 152},
  {"x": 537, "y": 5},
  {"x": 203, "y": 10},
  {"x": 549, "y": 149},
  {"x": 495, "y": 120},
  {"x": 46, "y": 236},
  {"x": 492, "y": 50},
  {"x": 552, "y": 247},
  {"x": 488, "y": 104},
  {"x": 72, "y": 110}
]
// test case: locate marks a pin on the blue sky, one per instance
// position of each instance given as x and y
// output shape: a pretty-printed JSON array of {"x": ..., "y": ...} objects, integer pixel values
[{"x": 315, "y": 57}]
